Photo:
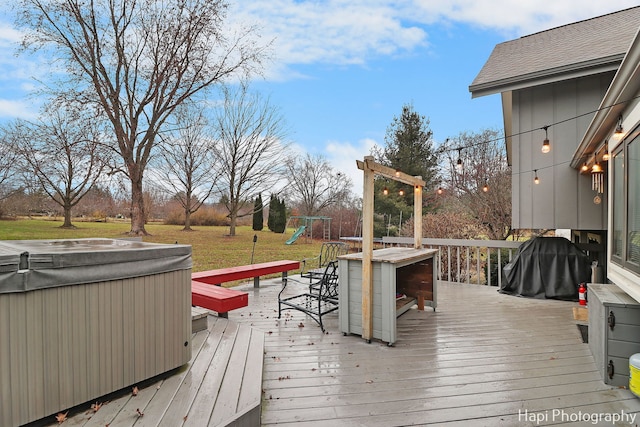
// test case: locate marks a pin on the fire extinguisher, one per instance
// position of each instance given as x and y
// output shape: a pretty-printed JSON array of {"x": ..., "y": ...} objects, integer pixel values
[{"x": 582, "y": 294}]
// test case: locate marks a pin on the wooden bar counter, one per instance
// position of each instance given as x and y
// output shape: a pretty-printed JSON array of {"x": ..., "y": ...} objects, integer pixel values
[{"x": 402, "y": 278}]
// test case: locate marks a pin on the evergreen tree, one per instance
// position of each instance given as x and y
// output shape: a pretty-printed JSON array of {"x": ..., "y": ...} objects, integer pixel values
[
  {"x": 272, "y": 209},
  {"x": 409, "y": 148},
  {"x": 282, "y": 217},
  {"x": 279, "y": 218},
  {"x": 258, "y": 218}
]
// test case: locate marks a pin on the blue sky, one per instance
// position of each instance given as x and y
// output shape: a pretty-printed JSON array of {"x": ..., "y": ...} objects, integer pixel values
[{"x": 342, "y": 69}]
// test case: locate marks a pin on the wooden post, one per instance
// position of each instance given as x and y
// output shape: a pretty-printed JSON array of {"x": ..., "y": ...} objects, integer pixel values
[
  {"x": 367, "y": 250},
  {"x": 417, "y": 215}
]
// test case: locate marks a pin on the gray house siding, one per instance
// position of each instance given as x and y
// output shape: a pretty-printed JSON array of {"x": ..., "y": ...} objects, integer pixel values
[{"x": 562, "y": 199}]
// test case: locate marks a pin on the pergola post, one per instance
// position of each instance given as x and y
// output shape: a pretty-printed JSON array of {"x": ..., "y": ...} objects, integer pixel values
[{"x": 367, "y": 254}]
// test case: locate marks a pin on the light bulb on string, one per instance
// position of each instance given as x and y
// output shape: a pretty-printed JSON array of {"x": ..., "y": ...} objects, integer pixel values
[
  {"x": 605, "y": 156},
  {"x": 546, "y": 147},
  {"x": 485, "y": 187},
  {"x": 459, "y": 162},
  {"x": 536, "y": 180},
  {"x": 619, "y": 128}
]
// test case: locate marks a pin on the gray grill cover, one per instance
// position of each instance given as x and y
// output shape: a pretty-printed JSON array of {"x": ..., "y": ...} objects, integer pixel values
[
  {"x": 35, "y": 264},
  {"x": 547, "y": 267}
]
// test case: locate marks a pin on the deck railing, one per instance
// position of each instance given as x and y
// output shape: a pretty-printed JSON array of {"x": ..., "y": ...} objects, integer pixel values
[{"x": 467, "y": 261}]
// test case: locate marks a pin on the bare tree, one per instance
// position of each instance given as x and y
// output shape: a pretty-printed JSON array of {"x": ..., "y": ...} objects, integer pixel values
[
  {"x": 63, "y": 153},
  {"x": 314, "y": 184},
  {"x": 482, "y": 181},
  {"x": 8, "y": 183},
  {"x": 186, "y": 167},
  {"x": 250, "y": 147},
  {"x": 138, "y": 61}
]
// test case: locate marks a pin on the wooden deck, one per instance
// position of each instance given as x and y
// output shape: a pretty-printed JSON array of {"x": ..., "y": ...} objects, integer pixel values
[{"x": 482, "y": 359}]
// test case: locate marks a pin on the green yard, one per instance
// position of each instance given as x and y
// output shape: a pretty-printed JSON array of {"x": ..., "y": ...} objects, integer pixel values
[{"x": 211, "y": 246}]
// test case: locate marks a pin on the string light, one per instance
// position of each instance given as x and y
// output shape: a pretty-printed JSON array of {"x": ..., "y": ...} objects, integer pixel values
[
  {"x": 546, "y": 147},
  {"x": 385, "y": 191},
  {"x": 605, "y": 156},
  {"x": 536, "y": 180},
  {"x": 485, "y": 187},
  {"x": 401, "y": 192},
  {"x": 619, "y": 128},
  {"x": 459, "y": 162}
]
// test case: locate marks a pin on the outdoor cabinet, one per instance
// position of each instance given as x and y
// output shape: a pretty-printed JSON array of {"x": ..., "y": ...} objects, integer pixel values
[
  {"x": 614, "y": 331},
  {"x": 82, "y": 318},
  {"x": 405, "y": 271}
]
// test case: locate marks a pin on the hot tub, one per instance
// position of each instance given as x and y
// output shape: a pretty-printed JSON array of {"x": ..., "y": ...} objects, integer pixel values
[{"x": 81, "y": 318}]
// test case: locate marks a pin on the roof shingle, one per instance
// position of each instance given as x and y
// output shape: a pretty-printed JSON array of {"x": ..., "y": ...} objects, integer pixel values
[{"x": 590, "y": 43}]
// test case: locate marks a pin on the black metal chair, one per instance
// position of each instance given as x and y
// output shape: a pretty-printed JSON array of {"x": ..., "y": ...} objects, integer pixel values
[
  {"x": 313, "y": 268},
  {"x": 320, "y": 299}
]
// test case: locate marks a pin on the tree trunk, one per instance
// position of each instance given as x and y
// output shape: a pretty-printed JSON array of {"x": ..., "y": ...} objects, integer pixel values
[
  {"x": 187, "y": 220},
  {"x": 233, "y": 218},
  {"x": 137, "y": 209},
  {"x": 67, "y": 216}
]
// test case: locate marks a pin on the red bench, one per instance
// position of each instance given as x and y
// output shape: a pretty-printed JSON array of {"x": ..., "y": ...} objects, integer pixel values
[
  {"x": 222, "y": 300},
  {"x": 229, "y": 274},
  {"x": 217, "y": 298}
]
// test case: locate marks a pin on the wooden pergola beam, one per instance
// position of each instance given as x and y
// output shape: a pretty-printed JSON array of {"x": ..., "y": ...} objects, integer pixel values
[
  {"x": 370, "y": 169},
  {"x": 388, "y": 172}
]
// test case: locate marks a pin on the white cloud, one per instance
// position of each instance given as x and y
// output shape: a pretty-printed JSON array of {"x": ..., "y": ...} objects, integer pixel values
[
  {"x": 519, "y": 17},
  {"x": 343, "y": 155},
  {"x": 343, "y": 32},
  {"x": 335, "y": 32},
  {"x": 11, "y": 109}
]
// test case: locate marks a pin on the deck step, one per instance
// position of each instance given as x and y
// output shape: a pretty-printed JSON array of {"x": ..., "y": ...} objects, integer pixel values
[
  {"x": 239, "y": 398},
  {"x": 198, "y": 319}
]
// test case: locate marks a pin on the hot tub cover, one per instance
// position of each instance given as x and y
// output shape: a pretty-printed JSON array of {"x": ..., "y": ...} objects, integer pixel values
[
  {"x": 35, "y": 264},
  {"x": 546, "y": 267}
]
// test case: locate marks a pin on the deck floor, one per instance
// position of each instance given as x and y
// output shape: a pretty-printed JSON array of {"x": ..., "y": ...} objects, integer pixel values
[{"x": 481, "y": 359}]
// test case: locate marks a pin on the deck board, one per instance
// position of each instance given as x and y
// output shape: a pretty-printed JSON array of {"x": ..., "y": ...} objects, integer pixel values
[
  {"x": 477, "y": 360},
  {"x": 482, "y": 358}
]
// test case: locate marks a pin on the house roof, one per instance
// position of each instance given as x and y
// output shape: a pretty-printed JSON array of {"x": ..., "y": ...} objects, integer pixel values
[{"x": 581, "y": 48}]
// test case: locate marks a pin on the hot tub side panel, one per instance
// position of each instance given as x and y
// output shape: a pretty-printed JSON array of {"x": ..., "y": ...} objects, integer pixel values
[{"x": 85, "y": 341}]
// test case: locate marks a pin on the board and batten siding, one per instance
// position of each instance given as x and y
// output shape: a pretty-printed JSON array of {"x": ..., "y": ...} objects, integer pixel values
[
  {"x": 563, "y": 198},
  {"x": 86, "y": 341}
]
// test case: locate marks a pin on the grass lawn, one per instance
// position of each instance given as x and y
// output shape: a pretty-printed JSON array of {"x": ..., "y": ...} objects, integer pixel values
[{"x": 211, "y": 246}]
